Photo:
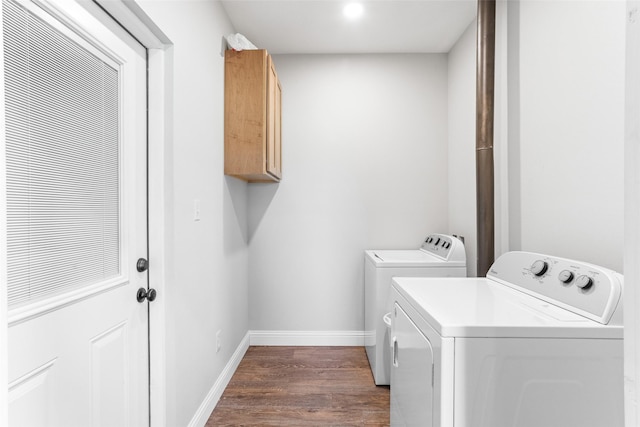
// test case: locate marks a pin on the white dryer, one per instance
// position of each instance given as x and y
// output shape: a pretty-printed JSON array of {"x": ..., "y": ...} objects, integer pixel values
[
  {"x": 439, "y": 256},
  {"x": 537, "y": 343}
]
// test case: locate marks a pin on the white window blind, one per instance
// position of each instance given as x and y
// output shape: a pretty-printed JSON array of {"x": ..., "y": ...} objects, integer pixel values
[{"x": 62, "y": 150}]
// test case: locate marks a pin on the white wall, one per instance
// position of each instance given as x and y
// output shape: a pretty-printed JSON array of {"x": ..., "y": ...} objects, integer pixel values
[
  {"x": 364, "y": 166},
  {"x": 559, "y": 164},
  {"x": 632, "y": 213},
  {"x": 566, "y": 124},
  {"x": 207, "y": 263},
  {"x": 462, "y": 143}
]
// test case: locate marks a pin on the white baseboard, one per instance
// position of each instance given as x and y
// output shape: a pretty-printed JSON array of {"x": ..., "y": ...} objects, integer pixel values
[
  {"x": 206, "y": 407},
  {"x": 307, "y": 338}
]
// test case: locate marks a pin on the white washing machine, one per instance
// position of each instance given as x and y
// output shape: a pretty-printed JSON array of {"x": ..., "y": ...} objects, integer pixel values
[
  {"x": 439, "y": 256},
  {"x": 537, "y": 343}
]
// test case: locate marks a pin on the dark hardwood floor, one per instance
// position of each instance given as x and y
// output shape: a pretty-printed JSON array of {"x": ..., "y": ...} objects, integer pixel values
[{"x": 303, "y": 386}]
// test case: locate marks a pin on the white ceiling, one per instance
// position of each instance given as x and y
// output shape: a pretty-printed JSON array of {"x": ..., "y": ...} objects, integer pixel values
[{"x": 319, "y": 26}]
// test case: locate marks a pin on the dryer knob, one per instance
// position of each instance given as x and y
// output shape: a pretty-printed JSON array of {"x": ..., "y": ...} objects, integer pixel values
[
  {"x": 565, "y": 276},
  {"x": 539, "y": 267},
  {"x": 584, "y": 282}
]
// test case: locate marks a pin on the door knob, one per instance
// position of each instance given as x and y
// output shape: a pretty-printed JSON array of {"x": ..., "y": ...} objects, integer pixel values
[
  {"x": 142, "y": 265},
  {"x": 149, "y": 295}
]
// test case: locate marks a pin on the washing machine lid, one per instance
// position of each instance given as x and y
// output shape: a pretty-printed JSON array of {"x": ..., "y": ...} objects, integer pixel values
[
  {"x": 437, "y": 250},
  {"x": 408, "y": 258},
  {"x": 482, "y": 307}
]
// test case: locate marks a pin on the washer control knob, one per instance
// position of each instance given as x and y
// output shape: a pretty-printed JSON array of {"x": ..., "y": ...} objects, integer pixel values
[
  {"x": 584, "y": 282},
  {"x": 565, "y": 276},
  {"x": 539, "y": 267}
]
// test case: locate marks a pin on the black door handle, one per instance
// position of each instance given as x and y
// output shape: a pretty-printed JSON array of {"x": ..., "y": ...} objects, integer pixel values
[{"x": 149, "y": 295}]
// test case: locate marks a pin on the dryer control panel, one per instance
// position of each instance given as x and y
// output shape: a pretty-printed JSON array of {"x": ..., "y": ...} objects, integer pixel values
[
  {"x": 586, "y": 289},
  {"x": 447, "y": 247}
]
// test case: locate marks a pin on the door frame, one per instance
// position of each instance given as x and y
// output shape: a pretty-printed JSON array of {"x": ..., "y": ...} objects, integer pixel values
[
  {"x": 160, "y": 174},
  {"x": 159, "y": 170}
]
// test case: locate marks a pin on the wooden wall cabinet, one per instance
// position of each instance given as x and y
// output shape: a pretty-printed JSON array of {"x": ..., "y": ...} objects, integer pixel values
[{"x": 252, "y": 117}]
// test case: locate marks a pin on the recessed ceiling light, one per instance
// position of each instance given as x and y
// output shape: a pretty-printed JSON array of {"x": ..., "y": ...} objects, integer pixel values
[{"x": 353, "y": 10}]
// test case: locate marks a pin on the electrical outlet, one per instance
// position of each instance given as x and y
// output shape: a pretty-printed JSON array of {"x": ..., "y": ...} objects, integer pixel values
[
  {"x": 196, "y": 210},
  {"x": 218, "y": 341}
]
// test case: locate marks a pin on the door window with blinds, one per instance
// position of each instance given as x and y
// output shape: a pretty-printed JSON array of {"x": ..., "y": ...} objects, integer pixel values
[{"x": 62, "y": 151}]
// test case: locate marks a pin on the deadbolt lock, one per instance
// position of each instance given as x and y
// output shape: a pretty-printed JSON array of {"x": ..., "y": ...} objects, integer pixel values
[{"x": 142, "y": 265}]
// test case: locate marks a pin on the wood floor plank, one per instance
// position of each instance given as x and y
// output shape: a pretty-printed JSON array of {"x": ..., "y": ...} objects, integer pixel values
[{"x": 303, "y": 386}]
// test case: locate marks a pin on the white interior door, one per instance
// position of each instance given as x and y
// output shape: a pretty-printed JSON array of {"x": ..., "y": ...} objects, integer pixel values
[{"x": 75, "y": 101}]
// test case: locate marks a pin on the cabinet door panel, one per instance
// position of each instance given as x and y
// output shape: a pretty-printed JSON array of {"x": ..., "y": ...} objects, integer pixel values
[
  {"x": 278, "y": 130},
  {"x": 252, "y": 126},
  {"x": 273, "y": 143}
]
